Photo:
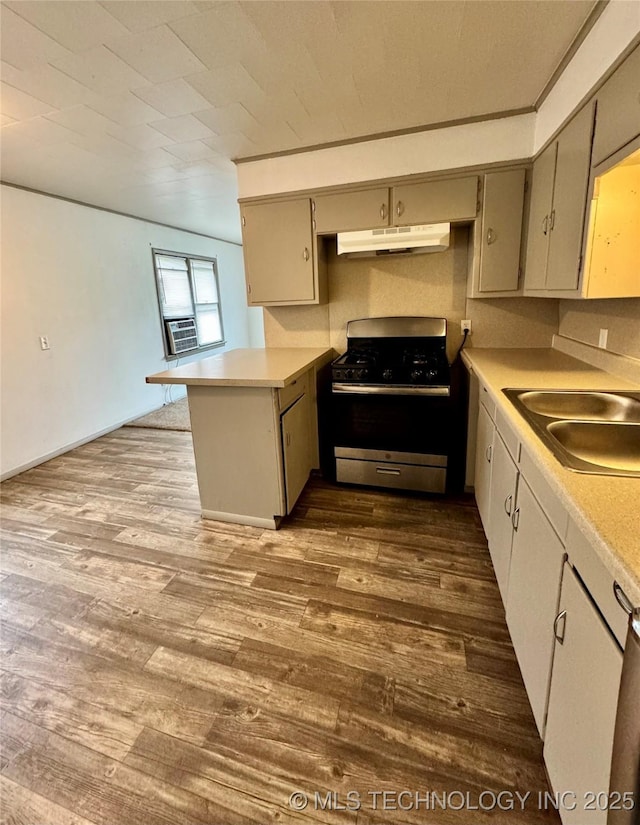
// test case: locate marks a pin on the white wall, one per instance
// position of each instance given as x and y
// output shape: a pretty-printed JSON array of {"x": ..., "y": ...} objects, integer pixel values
[{"x": 84, "y": 278}]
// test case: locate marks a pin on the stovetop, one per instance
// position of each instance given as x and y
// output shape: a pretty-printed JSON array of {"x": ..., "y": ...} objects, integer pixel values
[{"x": 386, "y": 360}]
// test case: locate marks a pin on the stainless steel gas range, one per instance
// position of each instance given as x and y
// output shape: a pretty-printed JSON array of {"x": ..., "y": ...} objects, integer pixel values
[{"x": 397, "y": 406}]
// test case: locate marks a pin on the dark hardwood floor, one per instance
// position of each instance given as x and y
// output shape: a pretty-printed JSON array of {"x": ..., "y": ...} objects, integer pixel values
[{"x": 158, "y": 669}]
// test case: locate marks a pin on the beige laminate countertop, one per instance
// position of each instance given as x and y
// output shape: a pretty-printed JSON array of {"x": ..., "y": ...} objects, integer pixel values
[
  {"x": 605, "y": 508},
  {"x": 270, "y": 367}
]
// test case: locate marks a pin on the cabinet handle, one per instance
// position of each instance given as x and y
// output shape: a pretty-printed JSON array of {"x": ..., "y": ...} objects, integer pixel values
[
  {"x": 507, "y": 504},
  {"x": 383, "y": 211},
  {"x": 561, "y": 617},
  {"x": 545, "y": 225},
  {"x": 244, "y": 221},
  {"x": 288, "y": 439},
  {"x": 515, "y": 519},
  {"x": 386, "y": 471},
  {"x": 552, "y": 219},
  {"x": 305, "y": 254},
  {"x": 491, "y": 236},
  {"x": 488, "y": 453},
  {"x": 249, "y": 288},
  {"x": 622, "y": 599},
  {"x": 399, "y": 208},
  {"x": 313, "y": 223}
]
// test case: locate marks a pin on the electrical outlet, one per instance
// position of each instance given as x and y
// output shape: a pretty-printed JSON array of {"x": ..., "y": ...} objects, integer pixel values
[
  {"x": 465, "y": 326},
  {"x": 602, "y": 338},
  {"x": 44, "y": 342}
]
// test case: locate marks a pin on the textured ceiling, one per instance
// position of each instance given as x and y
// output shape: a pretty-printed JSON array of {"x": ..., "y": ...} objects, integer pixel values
[{"x": 140, "y": 105}]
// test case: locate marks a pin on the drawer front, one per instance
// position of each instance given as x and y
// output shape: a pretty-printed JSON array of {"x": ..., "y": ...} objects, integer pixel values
[
  {"x": 289, "y": 394},
  {"x": 397, "y": 476},
  {"x": 509, "y": 437},
  {"x": 598, "y": 581},
  {"x": 487, "y": 401},
  {"x": 553, "y": 508}
]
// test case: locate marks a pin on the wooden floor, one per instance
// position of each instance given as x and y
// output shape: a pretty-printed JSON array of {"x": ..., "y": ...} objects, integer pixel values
[{"x": 162, "y": 670}]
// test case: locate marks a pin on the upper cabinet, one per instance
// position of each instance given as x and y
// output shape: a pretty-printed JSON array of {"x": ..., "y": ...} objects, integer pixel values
[
  {"x": 434, "y": 201},
  {"x": 280, "y": 255},
  {"x": 495, "y": 270},
  {"x": 618, "y": 109},
  {"x": 453, "y": 199},
  {"x": 351, "y": 211},
  {"x": 557, "y": 212}
]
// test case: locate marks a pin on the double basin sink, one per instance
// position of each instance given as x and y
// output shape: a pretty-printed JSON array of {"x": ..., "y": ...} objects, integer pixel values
[{"x": 588, "y": 431}]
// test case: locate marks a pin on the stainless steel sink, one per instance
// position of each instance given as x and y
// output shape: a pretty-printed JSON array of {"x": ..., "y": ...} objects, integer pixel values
[
  {"x": 605, "y": 444},
  {"x": 587, "y": 431},
  {"x": 584, "y": 406}
]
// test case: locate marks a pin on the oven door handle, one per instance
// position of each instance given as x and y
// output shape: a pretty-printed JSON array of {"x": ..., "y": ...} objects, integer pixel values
[
  {"x": 387, "y": 471},
  {"x": 361, "y": 389}
]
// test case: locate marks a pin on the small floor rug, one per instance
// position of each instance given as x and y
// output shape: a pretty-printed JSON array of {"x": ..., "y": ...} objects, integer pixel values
[{"x": 173, "y": 416}]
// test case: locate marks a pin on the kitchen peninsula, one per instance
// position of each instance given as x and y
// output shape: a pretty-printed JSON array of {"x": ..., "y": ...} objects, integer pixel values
[{"x": 254, "y": 428}]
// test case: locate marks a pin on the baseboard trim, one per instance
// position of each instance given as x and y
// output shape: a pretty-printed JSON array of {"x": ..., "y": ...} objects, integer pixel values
[
  {"x": 622, "y": 366},
  {"x": 238, "y": 518},
  {"x": 35, "y": 462}
]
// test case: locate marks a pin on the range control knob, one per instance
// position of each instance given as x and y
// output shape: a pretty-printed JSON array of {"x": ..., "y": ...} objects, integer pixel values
[
  {"x": 387, "y": 374},
  {"x": 416, "y": 375}
]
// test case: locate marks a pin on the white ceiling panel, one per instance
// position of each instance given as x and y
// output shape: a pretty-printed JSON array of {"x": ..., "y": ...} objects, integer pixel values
[
  {"x": 74, "y": 24},
  {"x": 128, "y": 104},
  {"x": 182, "y": 128},
  {"x": 48, "y": 84},
  {"x": 173, "y": 98},
  {"x": 102, "y": 71},
  {"x": 146, "y": 14},
  {"x": 22, "y": 45},
  {"x": 158, "y": 54},
  {"x": 126, "y": 109}
]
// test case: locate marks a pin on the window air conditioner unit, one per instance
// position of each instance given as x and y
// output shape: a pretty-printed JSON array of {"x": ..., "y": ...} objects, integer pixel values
[{"x": 182, "y": 335}]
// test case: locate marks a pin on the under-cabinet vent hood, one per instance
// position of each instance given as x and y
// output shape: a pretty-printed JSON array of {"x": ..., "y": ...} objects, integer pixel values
[{"x": 394, "y": 240}]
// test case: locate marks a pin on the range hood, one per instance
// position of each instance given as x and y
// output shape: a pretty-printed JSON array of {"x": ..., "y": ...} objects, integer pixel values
[{"x": 394, "y": 240}]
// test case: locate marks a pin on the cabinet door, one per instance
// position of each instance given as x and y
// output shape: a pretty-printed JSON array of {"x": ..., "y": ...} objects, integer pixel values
[
  {"x": 350, "y": 211},
  {"x": 278, "y": 252},
  {"x": 582, "y": 703},
  {"x": 502, "y": 502},
  {"x": 532, "y": 601},
  {"x": 435, "y": 201},
  {"x": 544, "y": 170},
  {"x": 296, "y": 444},
  {"x": 502, "y": 206},
  {"x": 567, "y": 218},
  {"x": 618, "y": 118},
  {"x": 484, "y": 448}
]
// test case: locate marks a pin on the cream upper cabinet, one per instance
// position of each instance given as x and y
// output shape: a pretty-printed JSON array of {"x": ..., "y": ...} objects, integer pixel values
[
  {"x": 351, "y": 211},
  {"x": 558, "y": 207},
  {"x": 618, "y": 120},
  {"x": 497, "y": 235},
  {"x": 455, "y": 199},
  {"x": 544, "y": 171},
  {"x": 280, "y": 256}
]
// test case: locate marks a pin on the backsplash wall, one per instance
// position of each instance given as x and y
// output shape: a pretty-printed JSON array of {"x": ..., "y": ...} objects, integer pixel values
[
  {"x": 431, "y": 284},
  {"x": 582, "y": 321}
]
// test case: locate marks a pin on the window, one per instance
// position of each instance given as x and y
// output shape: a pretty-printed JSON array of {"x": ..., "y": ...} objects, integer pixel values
[{"x": 189, "y": 302}]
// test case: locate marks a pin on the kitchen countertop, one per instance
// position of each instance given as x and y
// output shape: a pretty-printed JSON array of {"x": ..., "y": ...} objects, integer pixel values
[
  {"x": 270, "y": 367},
  {"x": 605, "y": 508}
]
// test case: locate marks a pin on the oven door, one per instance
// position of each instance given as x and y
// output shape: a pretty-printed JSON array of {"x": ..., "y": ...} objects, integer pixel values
[{"x": 396, "y": 441}]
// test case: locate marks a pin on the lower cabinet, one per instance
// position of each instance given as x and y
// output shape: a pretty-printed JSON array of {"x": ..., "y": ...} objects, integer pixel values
[
  {"x": 484, "y": 449},
  {"x": 537, "y": 555},
  {"x": 296, "y": 442},
  {"x": 502, "y": 504},
  {"x": 582, "y": 706}
]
